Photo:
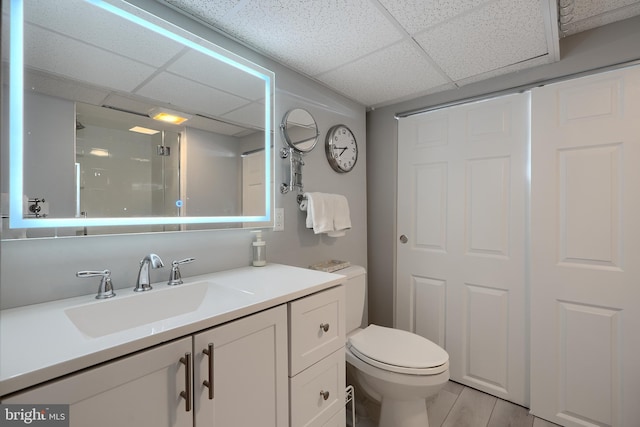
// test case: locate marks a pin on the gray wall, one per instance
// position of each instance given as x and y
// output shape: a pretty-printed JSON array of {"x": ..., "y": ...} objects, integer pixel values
[
  {"x": 37, "y": 270},
  {"x": 612, "y": 44}
]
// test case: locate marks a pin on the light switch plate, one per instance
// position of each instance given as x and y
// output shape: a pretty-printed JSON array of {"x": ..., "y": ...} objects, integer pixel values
[{"x": 278, "y": 224}]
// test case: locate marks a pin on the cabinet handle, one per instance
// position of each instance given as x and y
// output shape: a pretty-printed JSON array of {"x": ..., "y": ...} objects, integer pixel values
[
  {"x": 324, "y": 327},
  {"x": 209, "y": 382},
  {"x": 186, "y": 360},
  {"x": 324, "y": 394}
]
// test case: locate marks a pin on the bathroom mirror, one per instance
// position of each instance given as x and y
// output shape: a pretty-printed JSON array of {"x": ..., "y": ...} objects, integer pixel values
[
  {"x": 85, "y": 81},
  {"x": 300, "y": 130}
]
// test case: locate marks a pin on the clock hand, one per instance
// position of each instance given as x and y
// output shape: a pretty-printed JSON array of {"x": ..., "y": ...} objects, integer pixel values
[{"x": 341, "y": 152}]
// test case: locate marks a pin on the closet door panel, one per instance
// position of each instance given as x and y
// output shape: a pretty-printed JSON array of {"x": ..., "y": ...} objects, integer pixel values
[
  {"x": 462, "y": 189},
  {"x": 585, "y": 247}
]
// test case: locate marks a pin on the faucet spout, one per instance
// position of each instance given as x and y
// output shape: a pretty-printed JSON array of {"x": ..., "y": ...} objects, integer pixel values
[{"x": 144, "y": 281}]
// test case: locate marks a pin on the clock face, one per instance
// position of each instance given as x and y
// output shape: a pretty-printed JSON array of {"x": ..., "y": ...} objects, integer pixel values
[{"x": 341, "y": 148}]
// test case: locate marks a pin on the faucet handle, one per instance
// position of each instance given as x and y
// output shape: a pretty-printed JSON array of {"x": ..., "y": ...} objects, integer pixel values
[
  {"x": 105, "y": 290},
  {"x": 175, "y": 278}
]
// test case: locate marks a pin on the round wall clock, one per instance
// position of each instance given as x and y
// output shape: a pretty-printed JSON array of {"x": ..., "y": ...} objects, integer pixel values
[{"x": 341, "y": 148}]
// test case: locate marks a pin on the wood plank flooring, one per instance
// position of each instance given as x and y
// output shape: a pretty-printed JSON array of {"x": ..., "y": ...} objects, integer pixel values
[{"x": 460, "y": 406}]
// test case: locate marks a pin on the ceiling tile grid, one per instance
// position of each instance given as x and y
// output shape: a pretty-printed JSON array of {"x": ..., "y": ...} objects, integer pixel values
[{"x": 378, "y": 52}]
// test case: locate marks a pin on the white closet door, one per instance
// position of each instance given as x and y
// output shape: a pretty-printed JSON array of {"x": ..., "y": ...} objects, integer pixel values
[
  {"x": 460, "y": 279},
  {"x": 585, "y": 273}
]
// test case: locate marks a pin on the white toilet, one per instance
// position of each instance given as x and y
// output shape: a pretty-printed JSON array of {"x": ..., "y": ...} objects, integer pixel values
[{"x": 397, "y": 368}]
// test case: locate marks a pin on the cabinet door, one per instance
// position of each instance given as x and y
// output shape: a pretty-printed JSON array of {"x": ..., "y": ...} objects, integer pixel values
[
  {"x": 142, "y": 390},
  {"x": 249, "y": 376}
]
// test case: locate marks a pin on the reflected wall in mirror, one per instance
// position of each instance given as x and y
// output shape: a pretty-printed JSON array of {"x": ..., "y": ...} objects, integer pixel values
[{"x": 92, "y": 76}]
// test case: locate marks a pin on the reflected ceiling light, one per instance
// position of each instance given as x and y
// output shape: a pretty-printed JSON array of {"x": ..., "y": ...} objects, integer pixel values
[
  {"x": 145, "y": 131},
  {"x": 169, "y": 116},
  {"x": 99, "y": 152}
]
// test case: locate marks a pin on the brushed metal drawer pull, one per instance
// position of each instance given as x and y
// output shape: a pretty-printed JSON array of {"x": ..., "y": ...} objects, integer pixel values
[
  {"x": 186, "y": 360},
  {"x": 209, "y": 382},
  {"x": 324, "y": 394},
  {"x": 324, "y": 327}
]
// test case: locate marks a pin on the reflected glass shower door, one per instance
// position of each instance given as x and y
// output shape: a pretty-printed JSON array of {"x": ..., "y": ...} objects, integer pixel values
[{"x": 127, "y": 174}]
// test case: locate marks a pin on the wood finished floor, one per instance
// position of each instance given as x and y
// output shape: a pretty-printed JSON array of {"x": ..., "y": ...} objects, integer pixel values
[{"x": 460, "y": 406}]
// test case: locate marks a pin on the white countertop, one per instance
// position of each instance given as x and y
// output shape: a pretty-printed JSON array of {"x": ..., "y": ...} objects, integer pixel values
[{"x": 39, "y": 342}]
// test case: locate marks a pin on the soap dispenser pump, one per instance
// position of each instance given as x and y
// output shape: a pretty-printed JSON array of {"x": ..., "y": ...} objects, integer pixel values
[{"x": 259, "y": 250}]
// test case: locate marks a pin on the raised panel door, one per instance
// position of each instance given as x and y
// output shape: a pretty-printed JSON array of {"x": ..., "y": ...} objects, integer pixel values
[
  {"x": 142, "y": 390},
  {"x": 250, "y": 372}
]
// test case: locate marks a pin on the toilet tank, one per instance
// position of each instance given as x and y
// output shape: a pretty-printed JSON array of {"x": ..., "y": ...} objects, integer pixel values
[{"x": 355, "y": 289}]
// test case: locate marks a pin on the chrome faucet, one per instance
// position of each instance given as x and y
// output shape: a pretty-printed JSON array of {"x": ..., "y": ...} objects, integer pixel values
[
  {"x": 106, "y": 287},
  {"x": 175, "y": 278},
  {"x": 144, "y": 282}
]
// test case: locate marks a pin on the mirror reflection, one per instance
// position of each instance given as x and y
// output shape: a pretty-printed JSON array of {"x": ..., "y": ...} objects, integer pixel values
[
  {"x": 95, "y": 81},
  {"x": 300, "y": 130}
]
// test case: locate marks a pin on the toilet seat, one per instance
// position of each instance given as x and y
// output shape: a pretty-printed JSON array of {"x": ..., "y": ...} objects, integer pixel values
[{"x": 398, "y": 351}]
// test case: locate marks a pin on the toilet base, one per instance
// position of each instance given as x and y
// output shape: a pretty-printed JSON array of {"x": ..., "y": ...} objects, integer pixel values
[{"x": 405, "y": 413}]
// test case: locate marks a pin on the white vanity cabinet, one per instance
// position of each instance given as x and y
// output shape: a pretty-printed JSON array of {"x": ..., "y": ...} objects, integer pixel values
[
  {"x": 264, "y": 347},
  {"x": 142, "y": 390},
  {"x": 248, "y": 371},
  {"x": 249, "y": 361},
  {"x": 316, "y": 359}
]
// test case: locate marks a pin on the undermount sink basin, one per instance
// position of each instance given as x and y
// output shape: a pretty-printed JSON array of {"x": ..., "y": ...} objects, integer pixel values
[{"x": 105, "y": 317}]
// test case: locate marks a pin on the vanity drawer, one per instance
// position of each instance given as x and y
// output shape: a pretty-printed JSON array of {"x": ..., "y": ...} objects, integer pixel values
[
  {"x": 308, "y": 391},
  {"x": 316, "y": 328}
]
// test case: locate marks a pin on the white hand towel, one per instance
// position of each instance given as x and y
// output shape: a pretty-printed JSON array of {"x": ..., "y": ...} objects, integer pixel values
[
  {"x": 341, "y": 216},
  {"x": 320, "y": 208},
  {"x": 328, "y": 213}
]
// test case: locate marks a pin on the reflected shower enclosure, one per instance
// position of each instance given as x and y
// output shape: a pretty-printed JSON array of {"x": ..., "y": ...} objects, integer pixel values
[{"x": 125, "y": 173}]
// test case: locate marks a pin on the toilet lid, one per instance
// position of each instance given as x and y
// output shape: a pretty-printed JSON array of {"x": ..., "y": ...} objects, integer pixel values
[{"x": 398, "y": 348}]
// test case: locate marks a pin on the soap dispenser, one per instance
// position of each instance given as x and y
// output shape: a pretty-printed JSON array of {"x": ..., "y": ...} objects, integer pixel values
[{"x": 259, "y": 250}]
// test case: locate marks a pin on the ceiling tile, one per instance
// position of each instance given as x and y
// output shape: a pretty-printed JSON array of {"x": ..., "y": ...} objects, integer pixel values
[
  {"x": 501, "y": 33},
  {"x": 88, "y": 24},
  {"x": 377, "y": 77},
  {"x": 192, "y": 97},
  {"x": 127, "y": 103},
  {"x": 214, "y": 73},
  {"x": 251, "y": 114},
  {"x": 63, "y": 88},
  {"x": 308, "y": 35},
  {"x": 209, "y": 11},
  {"x": 418, "y": 15},
  {"x": 216, "y": 126},
  {"x": 83, "y": 62}
]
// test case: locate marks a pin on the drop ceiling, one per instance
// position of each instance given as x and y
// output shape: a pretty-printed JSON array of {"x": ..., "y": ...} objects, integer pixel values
[{"x": 379, "y": 52}]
